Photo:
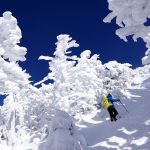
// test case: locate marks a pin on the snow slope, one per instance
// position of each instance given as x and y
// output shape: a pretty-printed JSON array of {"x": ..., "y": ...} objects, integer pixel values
[{"x": 130, "y": 132}]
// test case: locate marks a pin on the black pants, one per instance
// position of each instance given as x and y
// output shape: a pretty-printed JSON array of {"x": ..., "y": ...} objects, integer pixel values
[{"x": 112, "y": 111}]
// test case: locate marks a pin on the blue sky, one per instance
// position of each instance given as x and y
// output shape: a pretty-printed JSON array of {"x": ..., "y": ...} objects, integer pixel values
[{"x": 41, "y": 21}]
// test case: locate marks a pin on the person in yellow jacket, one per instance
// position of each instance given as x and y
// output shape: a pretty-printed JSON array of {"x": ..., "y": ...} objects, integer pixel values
[{"x": 110, "y": 107}]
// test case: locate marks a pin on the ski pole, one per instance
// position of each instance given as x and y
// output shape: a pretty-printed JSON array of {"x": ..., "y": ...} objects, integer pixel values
[{"x": 123, "y": 106}]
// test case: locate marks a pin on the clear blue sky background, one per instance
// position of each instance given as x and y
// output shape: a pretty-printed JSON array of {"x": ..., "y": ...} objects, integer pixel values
[{"x": 42, "y": 20}]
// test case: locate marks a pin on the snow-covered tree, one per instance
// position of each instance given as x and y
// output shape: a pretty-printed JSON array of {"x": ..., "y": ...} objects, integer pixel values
[
  {"x": 61, "y": 67},
  {"x": 63, "y": 134},
  {"x": 13, "y": 78},
  {"x": 75, "y": 79},
  {"x": 87, "y": 80},
  {"x": 131, "y": 16},
  {"x": 117, "y": 77},
  {"x": 141, "y": 76}
]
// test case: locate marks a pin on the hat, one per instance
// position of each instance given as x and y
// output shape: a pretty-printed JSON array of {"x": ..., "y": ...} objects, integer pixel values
[{"x": 109, "y": 95}]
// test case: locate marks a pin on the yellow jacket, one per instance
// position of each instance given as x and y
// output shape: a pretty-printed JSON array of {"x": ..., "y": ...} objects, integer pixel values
[{"x": 106, "y": 102}]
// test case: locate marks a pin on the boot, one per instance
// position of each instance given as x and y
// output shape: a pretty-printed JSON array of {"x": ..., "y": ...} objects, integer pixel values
[
  {"x": 115, "y": 119},
  {"x": 111, "y": 119}
]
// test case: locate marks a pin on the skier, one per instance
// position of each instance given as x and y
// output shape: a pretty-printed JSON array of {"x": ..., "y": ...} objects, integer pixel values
[{"x": 108, "y": 104}]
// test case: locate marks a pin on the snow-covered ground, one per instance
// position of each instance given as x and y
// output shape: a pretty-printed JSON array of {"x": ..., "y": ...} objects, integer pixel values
[{"x": 130, "y": 132}]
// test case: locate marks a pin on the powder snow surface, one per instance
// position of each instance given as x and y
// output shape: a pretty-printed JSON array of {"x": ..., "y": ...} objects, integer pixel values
[{"x": 130, "y": 132}]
